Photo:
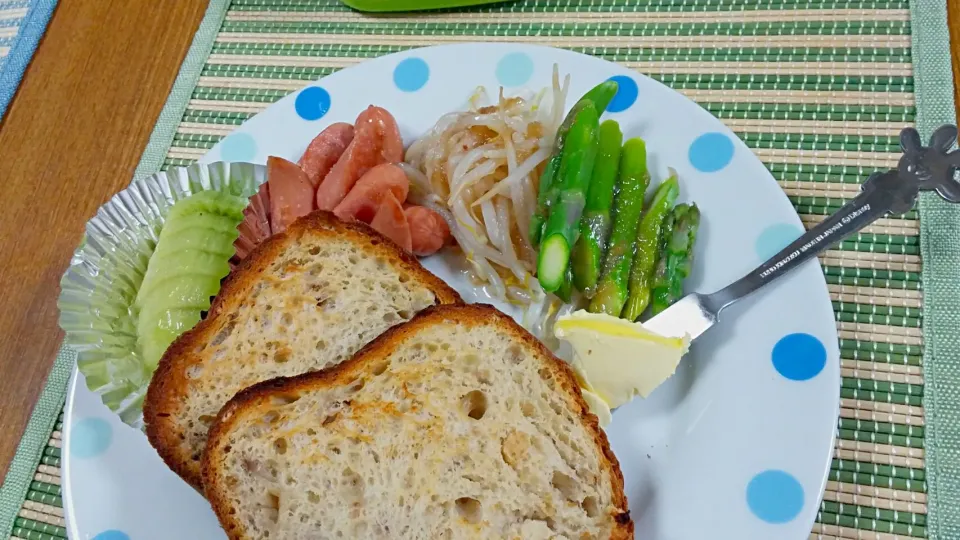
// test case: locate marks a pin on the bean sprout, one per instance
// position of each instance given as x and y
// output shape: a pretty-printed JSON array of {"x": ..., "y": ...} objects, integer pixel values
[{"x": 479, "y": 169}]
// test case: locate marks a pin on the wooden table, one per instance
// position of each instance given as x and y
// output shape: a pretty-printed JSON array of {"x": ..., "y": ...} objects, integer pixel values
[{"x": 70, "y": 140}]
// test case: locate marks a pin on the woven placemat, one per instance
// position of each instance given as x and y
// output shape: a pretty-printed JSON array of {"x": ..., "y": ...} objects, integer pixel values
[
  {"x": 819, "y": 89},
  {"x": 22, "y": 23}
]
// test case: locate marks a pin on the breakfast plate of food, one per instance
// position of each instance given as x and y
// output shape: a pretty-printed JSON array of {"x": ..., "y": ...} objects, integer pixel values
[{"x": 419, "y": 298}]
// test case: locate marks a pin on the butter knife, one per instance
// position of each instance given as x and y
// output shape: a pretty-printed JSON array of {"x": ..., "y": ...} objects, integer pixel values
[{"x": 921, "y": 168}]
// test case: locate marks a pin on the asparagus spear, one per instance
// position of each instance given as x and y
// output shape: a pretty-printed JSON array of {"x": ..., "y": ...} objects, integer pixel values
[
  {"x": 665, "y": 264},
  {"x": 600, "y": 96},
  {"x": 648, "y": 240},
  {"x": 576, "y": 166},
  {"x": 685, "y": 235},
  {"x": 596, "y": 222},
  {"x": 548, "y": 188},
  {"x": 676, "y": 256},
  {"x": 627, "y": 205},
  {"x": 565, "y": 292}
]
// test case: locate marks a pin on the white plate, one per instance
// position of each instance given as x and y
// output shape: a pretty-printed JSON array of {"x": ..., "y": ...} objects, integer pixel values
[{"x": 736, "y": 445}]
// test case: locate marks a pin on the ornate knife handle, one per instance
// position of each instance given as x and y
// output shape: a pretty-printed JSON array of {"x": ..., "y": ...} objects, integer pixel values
[{"x": 921, "y": 168}]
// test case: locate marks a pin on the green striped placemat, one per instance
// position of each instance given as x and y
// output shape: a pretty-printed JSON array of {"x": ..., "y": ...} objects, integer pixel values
[{"x": 818, "y": 88}]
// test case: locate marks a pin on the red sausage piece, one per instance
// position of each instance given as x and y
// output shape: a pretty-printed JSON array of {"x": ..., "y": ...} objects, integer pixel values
[
  {"x": 291, "y": 195},
  {"x": 324, "y": 151},
  {"x": 391, "y": 222},
  {"x": 376, "y": 140},
  {"x": 364, "y": 199},
  {"x": 428, "y": 231}
]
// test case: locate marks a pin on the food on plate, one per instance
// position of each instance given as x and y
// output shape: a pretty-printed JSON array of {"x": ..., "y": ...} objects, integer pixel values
[
  {"x": 546, "y": 211},
  {"x": 634, "y": 178},
  {"x": 428, "y": 231},
  {"x": 478, "y": 170},
  {"x": 616, "y": 359},
  {"x": 324, "y": 151},
  {"x": 597, "y": 405},
  {"x": 291, "y": 194},
  {"x": 363, "y": 201},
  {"x": 333, "y": 158},
  {"x": 675, "y": 256},
  {"x": 599, "y": 97},
  {"x": 305, "y": 299},
  {"x": 255, "y": 227},
  {"x": 376, "y": 140},
  {"x": 184, "y": 272},
  {"x": 296, "y": 420},
  {"x": 376, "y": 198},
  {"x": 648, "y": 243},
  {"x": 543, "y": 205},
  {"x": 547, "y": 185},
  {"x": 457, "y": 424},
  {"x": 598, "y": 212},
  {"x": 571, "y": 185},
  {"x": 391, "y": 221},
  {"x": 565, "y": 292},
  {"x": 348, "y": 171}
]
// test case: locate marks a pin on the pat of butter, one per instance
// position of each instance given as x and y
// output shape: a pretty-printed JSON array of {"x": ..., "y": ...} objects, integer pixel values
[
  {"x": 617, "y": 359},
  {"x": 598, "y": 407}
]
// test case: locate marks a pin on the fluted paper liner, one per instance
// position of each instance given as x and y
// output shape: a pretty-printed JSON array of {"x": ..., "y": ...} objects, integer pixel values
[{"x": 99, "y": 288}]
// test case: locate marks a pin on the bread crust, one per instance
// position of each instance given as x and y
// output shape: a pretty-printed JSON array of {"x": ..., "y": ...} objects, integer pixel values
[
  {"x": 169, "y": 382},
  {"x": 259, "y": 395}
]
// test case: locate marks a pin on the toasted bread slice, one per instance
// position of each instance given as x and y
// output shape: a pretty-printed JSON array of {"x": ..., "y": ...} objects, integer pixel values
[
  {"x": 305, "y": 299},
  {"x": 457, "y": 424}
]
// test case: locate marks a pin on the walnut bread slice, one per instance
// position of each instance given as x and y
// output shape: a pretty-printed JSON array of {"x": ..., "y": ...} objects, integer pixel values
[
  {"x": 457, "y": 424},
  {"x": 305, "y": 299}
]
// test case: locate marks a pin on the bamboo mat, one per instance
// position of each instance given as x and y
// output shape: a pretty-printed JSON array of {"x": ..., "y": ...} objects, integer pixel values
[{"x": 819, "y": 89}]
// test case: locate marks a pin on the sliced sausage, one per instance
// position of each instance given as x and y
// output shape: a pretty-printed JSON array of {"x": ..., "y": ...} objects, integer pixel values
[
  {"x": 259, "y": 209},
  {"x": 376, "y": 140},
  {"x": 243, "y": 245},
  {"x": 364, "y": 199},
  {"x": 291, "y": 195},
  {"x": 255, "y": 227},
  {"x": 428, "y": 230},
  {"x": 391, "y": 149},
  {"x": 391, "y": 222},
  {"x": 324, "y": 151}
]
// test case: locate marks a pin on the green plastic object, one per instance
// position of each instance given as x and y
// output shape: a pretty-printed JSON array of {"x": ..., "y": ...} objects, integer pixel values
[{"x": 389, "y": 6}]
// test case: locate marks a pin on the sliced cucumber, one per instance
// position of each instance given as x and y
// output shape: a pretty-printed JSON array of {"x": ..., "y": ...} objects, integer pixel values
[
  {"x": 202, "y": 240},
  {"x": 184, "y": 272},
  {"x": 195, "y": 232},
  {"x": 184, "y": 269},
  {"x": 185, "y": 261},
  {"x": 208, "y": 202},
  {"x": 169, "y": 325}
]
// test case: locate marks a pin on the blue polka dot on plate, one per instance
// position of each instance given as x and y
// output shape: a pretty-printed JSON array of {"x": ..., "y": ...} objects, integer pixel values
[
  {"x": 514, "y": 69},
  {"x": 711, "y": 152},
  {"x": 312, "y": 103},
  {"x": 775, "y": 496},
  {"x": 112, "y": 534},
  {"x": 411, "y": 74},
  {"x": 238, "y": 147},
  {"x": 799, "y": 357},
  {"x": 774, "y": 238},
  {"x": 626, "y": 96},
  {"x": 90, "y": 437}
]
